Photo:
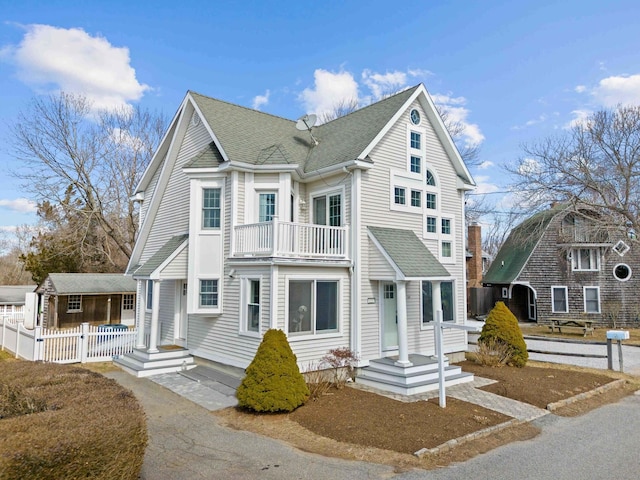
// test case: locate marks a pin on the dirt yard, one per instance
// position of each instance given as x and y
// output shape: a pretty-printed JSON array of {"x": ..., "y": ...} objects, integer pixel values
[{"x": 359, "y": 425}]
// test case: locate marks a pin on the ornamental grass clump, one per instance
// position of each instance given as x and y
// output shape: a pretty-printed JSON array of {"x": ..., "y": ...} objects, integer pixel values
[
  {"x": 273, "y": 382},
  {"x": 502, "y": 326}
]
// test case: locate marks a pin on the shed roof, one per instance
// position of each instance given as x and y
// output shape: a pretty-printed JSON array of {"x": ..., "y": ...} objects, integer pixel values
[
  {"x": 91, "y": 283},
  {"x": 407, "y": 252},
  {"x": 160, "y": 256}
]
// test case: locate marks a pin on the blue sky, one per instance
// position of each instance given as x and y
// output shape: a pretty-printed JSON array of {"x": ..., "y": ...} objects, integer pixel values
[{"x": 512, "y": 72}]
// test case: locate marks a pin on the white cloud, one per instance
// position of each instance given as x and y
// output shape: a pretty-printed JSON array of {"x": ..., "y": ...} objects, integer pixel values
[
  {"x": 486, "y": 164},
  {"x": 454, "y": 108},
  {"x": 530, "y": 123},
  {"x": 382, "y": 84},
  {"x": 529, "y": 166},
  {"x": 330, "y": 89},
  {"x": 59, "y": 59},
  {"x": 579, "y": 117},
  {"x": 580, "y": 89},
  {"x": 20, "y": 205},
  {"x": 260, "y": 100},
  {"x": 614, "y": 90},
  {"x": 484, "y": 185}
]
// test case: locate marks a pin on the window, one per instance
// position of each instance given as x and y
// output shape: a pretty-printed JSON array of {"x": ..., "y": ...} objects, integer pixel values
[
  {"x": 431, "y": 224},
  {"x": 585, "y": 259},
  {"x": 127, "y": 301},
  {"x": 446, "y": 297},
  {"x": 446, "y": 226},
  {"x": 149, "y": 294},
  {"x": 313, "y": 306},
  {"x": 559, "y": 303},
  {"x": 415, "y": 164},
  {"x": 208, "y": 293},
  {"x": 211, "y": 208},
  {"x": 415, "y": 117},
  {"x": 75, "y": 303},
  {"x": 621, "y": 248},
  {"x": 253, "y": 306},
  {"x": 399, "y": 196},
  {"x": 416, "y": 198},
  {"x": 416, "y": 140},
  {"x": 622, "y": 272},
  {"x": 431, "y": 180},
  {"x": 267, "y": 207},
  {"x": 328, "y": 207},
  {"x": 591, "y": 299},
  {"x": 431, "y": 201},
  {"x": 447, "y": 250}
]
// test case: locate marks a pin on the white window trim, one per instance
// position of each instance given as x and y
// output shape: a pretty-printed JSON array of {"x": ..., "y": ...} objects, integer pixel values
[
  {"x": 219, "y": 227},
  {"x": 401, "y": 179},
  {"x": 446, "y": 237},
  {"x": 594, "y": 254},
  {"x": 74, "y": 310},
  {"x": 208, "y": 310},
  {"x": 329, "y": 192},
  {"x": 299, "y": 336},
  {"x": 416, "y": 152},
  {"x": 584, "y": 298},
  {"x": 566, "y": 297},
  {"x": 133, "y": 301},
  {"x": 266, "y": 192},
  {"x": 622, "y": 279},
  {"x": 245, "y": 291}
]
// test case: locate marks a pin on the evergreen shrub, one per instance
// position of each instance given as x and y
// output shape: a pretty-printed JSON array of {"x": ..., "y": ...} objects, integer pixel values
[
  {"x": 273, "y": 382},
  {"x": 502, "y": 326}
]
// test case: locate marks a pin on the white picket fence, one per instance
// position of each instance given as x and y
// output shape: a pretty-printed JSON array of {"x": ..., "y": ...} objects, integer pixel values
[{"x": 82, "y": 344}]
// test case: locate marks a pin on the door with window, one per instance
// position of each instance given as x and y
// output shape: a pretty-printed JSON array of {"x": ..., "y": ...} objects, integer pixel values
[
  {"x": 327, "y": 210},
  {"x": 389, "y": 316}
]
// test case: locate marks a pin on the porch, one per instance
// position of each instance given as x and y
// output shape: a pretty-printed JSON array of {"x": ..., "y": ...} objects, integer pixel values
[{"x": 289, "y": 239}]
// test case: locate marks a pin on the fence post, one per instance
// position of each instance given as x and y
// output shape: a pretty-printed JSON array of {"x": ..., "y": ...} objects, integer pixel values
[
  {"x": 38, "y": 344},
  {"x": 4, "y": 332},
  {"x": 17, "y": 338},
  {"x": 84, "y": 341}
]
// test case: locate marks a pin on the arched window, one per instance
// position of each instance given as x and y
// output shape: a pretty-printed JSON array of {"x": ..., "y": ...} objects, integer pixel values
[{"x": 431, "y": 179}]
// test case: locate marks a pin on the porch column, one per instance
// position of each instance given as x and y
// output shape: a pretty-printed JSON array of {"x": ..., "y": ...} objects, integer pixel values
[
  {"x": 155, "y": 312},
  {"x": 141, "y": 303},
  {"x": 403, "y": 341}
]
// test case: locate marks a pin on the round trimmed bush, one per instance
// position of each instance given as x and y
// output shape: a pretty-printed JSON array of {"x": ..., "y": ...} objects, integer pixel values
[
  {"x": 502, "y": 326},
  {"x": 273, "y": 382}
]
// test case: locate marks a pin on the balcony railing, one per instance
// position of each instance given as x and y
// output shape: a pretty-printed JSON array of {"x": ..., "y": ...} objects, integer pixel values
[
  {"x": 288, "y": 239},
  {"x": 570, "y": 234}
]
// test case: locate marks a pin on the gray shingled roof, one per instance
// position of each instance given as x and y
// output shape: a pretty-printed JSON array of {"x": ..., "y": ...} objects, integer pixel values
[
  {"x": 160, "y": 256},
  {"x": 14, "y": 294},
  {"x": 267, "y": 139},
  {"x": 207, "y": 157},
  {"x": 88, "y": 283},
  {"x": 409, "y": 254}
]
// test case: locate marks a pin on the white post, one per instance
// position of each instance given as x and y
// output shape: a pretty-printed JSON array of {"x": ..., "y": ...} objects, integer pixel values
[
  {"x": 4, "y": 332},
  {"x": 142, "y": 303},
  {"x": 440, "y": 354},
  {"x": 155, "y": 313},
  {"x": 109, "y": 309},
  {"x": 38, "y": 344},
  {"x": 403, "y": 342},
  {"x": 84, "y": 341},
  {"x": 274, "y": 235},
  {"x": 17, "y": 338}
]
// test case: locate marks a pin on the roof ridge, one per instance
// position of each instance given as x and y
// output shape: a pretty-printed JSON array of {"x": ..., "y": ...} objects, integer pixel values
[{"x": 253, "y": 110}]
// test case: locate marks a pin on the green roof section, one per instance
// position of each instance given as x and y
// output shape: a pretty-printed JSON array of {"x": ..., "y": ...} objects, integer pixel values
[
  {"x": 160, "y": 256},
  {"x": 209, "y": 156},
  {"x": 408, "y": 253},
  {"x": 515, "y": 252},
  {"x": 91, "y": 283},
  {"x": 258, "y": 138}
]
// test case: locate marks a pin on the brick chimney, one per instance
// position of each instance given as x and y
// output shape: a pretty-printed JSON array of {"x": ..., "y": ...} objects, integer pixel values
[{"x": 474, "y": 264}]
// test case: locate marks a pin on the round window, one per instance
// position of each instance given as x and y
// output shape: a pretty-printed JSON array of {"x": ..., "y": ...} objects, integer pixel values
[
  {"x": 415, "y": 117},
  {"x": 622, "y": 272}
]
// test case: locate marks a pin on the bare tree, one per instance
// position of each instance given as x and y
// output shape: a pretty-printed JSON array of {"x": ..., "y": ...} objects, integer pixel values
[
  {"x": 594, "y": 166},
  {"x": 84, "y": 165},
  {"x": 340, "y": 109}
]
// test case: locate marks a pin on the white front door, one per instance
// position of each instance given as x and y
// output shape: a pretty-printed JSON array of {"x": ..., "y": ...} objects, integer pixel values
[
  {"x": 181, "y": 320},
  {"x": 389, "y": 316},
  {"x": 127, "y": 310}
]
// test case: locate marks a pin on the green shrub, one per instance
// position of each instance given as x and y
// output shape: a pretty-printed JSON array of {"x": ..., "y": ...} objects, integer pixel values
[
  {"x": 61, "y": 421},
  {"x": 273, "y": 382},
  {"x": 502, "y": 326}
]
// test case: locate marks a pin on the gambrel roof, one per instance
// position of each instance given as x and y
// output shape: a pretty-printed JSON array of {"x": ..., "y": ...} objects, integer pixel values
[{"x": 517, "y": 249}]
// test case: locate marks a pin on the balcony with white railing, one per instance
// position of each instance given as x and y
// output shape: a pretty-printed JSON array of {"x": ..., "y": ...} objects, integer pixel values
[{"x": 291, "y": 240}]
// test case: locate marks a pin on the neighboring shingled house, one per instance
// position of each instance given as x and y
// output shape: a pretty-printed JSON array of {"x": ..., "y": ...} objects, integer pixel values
[
  {"x": 348, "y": 235},
  {"x": 556, "y": 264},
  {"x": 69, "y": 299}
]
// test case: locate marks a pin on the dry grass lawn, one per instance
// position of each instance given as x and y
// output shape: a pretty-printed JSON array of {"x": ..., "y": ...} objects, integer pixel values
[{"x": 599, "y": 334}]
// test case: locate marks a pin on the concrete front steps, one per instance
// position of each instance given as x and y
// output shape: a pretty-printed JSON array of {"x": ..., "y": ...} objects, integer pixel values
[
  {"x": 421, "y": 377},
  {"x": 168, "y": 359}
]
